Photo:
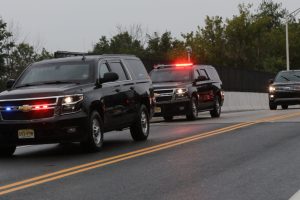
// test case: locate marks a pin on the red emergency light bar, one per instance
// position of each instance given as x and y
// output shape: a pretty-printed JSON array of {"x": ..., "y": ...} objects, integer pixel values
[{"x": 184, "y": 65}]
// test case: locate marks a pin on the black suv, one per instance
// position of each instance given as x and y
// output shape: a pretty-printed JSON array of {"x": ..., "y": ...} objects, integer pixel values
[
  {"x": 285, "y": 89},
  {"x": 186, "y": 89},
  {"x": 76, "y": 99}
]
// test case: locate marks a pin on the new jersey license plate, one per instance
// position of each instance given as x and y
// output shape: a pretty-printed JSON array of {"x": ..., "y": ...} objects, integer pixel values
[
  {"x": 26, "y": 134},
  {"x": 157, "y": 109}
]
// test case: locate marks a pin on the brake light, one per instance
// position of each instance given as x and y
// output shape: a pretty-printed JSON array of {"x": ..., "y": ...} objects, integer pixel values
[{"x": 184, "y": 65}]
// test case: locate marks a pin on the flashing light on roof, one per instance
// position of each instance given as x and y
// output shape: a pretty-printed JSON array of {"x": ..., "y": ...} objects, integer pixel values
[
  {"x": 8, "y": 109},
  {"x": 184, "y": 65}
]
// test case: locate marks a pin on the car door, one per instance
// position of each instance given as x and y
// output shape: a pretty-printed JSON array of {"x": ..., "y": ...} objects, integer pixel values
[
  {"x": 126, "y": 93},
  {"x": 111, "y": 99},
  {"x": 204, "y": 89}
]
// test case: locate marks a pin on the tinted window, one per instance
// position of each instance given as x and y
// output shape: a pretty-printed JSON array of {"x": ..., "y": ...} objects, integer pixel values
[
  {"x": 287, "y": 76},
  {"x": 57, "y": 72},
  {"x": 137, "y": 68},
  {"x": 171, "y": 75},
  {"x": 202, "y": 72},
  {"x": 118, "y": 68},
  {"x": 103, "y": 69}
]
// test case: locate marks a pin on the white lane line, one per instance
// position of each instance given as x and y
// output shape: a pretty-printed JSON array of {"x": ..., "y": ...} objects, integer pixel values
[{"x": 296, "y": 196}]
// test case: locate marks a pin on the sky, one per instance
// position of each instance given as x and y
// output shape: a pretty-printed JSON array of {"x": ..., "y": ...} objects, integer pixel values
[{"x": 76, "y": 25}]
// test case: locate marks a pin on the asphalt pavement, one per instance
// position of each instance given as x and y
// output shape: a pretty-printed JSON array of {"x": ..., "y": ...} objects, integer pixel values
[{"x": 242, "y": 155}]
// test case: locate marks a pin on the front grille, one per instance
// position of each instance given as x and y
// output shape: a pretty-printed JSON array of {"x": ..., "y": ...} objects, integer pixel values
[
  {"x": 18, "y": 115},
  {"x": 28, "y": 109},
  {"x": 28, "y": 102},
  {"x": 164, "y": 98}
]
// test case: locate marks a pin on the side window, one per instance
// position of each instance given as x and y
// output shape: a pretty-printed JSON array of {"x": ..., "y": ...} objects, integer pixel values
[
  {"x": 137, "y": 68},
  {"x": 103, "y": 68},
  {"x": 196, "y": 74},
  {"x": 118, "y": 68},
  {"x": 203, "y": 73}
]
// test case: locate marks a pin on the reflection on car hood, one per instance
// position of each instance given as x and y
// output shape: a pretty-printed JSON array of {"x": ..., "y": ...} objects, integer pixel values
[
  {"x": 167, "y": 85},
  {"x": 41, "y": 91}
]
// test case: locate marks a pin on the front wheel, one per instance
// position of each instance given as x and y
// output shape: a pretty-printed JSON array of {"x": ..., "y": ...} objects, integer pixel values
[
  {"x": 94, "y": 140},
  {"x": 272, "y": 106},
  {"x": 284, "y": 107},
  {"x": 7, "y": 151},
  {"x": 216, "y": 112},
  {"x": 140, "y": 128},
  {"x": 192, "y": 112}
]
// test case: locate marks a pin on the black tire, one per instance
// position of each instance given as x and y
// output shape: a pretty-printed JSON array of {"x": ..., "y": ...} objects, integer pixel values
[
  {"x": 94, "y": 139},
  {"x": 216, "y": 112},
  {"x": 272, "y": 106},
  {"x": 168, "y": 118},
  {"x": 284, "y": 107},
  {"x": 192, "y": 112},
  {"x": 140, "y": 128},
  {"x": 7, "y": 151}
]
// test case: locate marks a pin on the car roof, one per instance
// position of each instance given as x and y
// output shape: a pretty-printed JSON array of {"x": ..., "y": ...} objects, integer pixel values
[{"x": 85, "y": 57}]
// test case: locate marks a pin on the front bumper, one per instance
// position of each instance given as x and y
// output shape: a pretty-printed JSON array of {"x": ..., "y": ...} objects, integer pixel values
[
  {"x": 287, "y": 98},
  {"x": 52, "y": 130},
  {"x": 172, "y": 108}
]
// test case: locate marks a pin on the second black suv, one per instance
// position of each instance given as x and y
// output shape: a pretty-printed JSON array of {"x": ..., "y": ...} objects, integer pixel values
[
  {"x": 76, "y": 99},
  {"x": 186, "y": 89},
  {"x": 285, "y": 89}
]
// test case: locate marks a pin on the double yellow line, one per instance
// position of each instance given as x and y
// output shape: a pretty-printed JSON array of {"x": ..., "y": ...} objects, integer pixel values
[{"x": 5, "y": 189}]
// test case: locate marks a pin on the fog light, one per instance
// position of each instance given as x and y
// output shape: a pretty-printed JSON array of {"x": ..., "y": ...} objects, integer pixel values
[{"x": 71, "y": 130}]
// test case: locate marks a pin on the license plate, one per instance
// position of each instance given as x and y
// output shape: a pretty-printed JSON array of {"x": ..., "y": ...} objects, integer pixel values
[
  {"x": 25, "y": 134},
  {"x": 157, "y": 109}
]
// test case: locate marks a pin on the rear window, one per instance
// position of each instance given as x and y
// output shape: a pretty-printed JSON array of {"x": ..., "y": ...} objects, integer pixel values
[{"x": 137, "y": 68}]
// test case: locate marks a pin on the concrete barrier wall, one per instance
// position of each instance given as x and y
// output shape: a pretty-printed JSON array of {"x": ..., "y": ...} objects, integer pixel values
[{"x": 239, "y": 101}]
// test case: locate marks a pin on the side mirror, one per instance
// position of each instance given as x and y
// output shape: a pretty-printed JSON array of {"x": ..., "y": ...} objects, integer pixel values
[
  {"x": 201, "y": 78},
  {"x": 271, "y": 81},
  {"x": 109, "y": 77},
  {"x": 10, "y": 83}
]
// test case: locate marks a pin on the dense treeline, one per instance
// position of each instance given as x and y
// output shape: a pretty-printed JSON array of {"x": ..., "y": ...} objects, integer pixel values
[{"x": 252, "y": 39}]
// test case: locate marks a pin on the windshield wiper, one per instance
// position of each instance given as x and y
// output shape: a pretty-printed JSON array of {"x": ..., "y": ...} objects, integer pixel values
[
  {"x": 27, "y": 85},
  {"x": 60, "y": 82},
  {"x": 285, "y": 78}
]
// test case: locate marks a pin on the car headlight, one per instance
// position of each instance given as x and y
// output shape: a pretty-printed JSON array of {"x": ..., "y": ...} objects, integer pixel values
[
  {"x": 272, "y": 89},
  {"x": 180, "y": 92},
  {"x": 71, "y": 104}
]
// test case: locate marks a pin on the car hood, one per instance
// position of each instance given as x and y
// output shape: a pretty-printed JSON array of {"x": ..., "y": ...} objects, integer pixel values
[
  {"x": 168, "y": 85},
  {"x": 286, "y": 84},
  {"x": 41, "y": 91}
]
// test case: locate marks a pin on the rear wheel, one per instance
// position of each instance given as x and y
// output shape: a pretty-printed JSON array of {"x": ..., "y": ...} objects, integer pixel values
[
  {"x": 7, "y": 151},
  {"x": 216, "y": 112},
  {"x": 192, "y": 112},
  {"x": 284, "y": 107},
  {"x": 94, "y": 140},
  {"x": 140, "y": 128},
  {"x": 168, "y": 118},
  {"x": 272, "y": 106}
]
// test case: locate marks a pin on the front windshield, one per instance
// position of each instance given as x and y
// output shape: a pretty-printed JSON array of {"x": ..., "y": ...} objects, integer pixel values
[
  {"x": 75, "y": 72},
  {"x": 288, "y": 76},
  {"x": 170, "y": 75}
]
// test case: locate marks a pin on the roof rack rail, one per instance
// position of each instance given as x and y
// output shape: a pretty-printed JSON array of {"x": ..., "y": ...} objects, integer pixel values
[
  {"x": 64, "y": 54},
  {"x": 111, "y": 54}
]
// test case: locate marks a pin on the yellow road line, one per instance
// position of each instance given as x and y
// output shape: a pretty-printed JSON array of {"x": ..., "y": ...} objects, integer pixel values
[{"x": 103, "y": 162}]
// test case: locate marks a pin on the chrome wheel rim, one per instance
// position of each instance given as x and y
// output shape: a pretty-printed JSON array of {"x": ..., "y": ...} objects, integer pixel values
[
  {"x": 97, "y": 136},
  {"x": 194, "y": 109},
  {"x": 144, "y": 123}
]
